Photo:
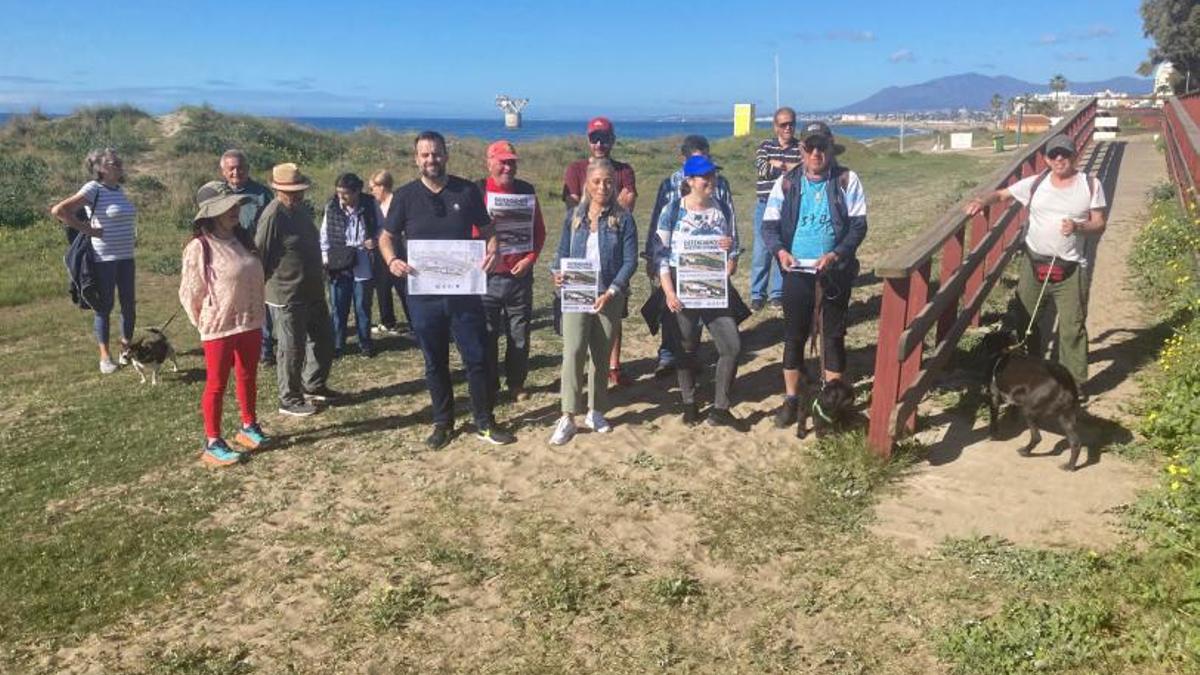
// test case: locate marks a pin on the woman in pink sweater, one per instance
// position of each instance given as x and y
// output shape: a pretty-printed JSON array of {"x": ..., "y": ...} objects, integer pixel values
[{"x": 221, "y": 288}]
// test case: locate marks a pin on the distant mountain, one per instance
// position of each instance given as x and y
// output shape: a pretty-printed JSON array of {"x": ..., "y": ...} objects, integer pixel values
[{"x": 974, "y": 92}]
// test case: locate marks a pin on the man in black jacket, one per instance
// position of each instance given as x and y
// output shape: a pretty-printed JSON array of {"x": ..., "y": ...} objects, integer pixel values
[{"x": 814, "y": 222}]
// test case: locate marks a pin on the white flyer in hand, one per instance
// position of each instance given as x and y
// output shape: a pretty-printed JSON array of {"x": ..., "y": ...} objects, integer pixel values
[
  {"x": 700, "y": 280},
  {"x": 512, "y": 216},
  {"x": 447, "y": 267},
  {"x": 580, "y": 286}
]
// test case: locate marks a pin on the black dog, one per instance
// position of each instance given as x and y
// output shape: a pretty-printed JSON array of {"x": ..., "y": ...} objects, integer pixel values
[
  {"x": 827, "y": 405},
  {"x": 1042, "y": 390}
]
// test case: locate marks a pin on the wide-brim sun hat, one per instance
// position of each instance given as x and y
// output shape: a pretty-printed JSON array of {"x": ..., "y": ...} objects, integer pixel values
[
  {"x": 286, "y": 177},
  {"x": 215, "y": 206}
]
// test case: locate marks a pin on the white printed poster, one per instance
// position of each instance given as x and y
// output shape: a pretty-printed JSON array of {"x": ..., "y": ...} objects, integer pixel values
[
  {"x": 447, "y": 267},
  {"x": 580, "y": 286},
  {"x": 512, "y": 216},
  {"x": 700, "y": 280}
]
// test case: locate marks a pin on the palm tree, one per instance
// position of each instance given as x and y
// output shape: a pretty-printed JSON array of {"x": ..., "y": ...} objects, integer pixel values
[
  {"x": 1058, "y": 84},
  {"x": 997, "y": 106}
]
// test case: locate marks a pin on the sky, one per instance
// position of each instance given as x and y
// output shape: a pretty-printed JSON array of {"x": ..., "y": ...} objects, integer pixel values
[{"x": 572, "y": 59}]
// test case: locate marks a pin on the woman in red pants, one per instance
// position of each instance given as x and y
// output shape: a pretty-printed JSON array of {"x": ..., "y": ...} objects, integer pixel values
[{"x": 221, "y": 288}]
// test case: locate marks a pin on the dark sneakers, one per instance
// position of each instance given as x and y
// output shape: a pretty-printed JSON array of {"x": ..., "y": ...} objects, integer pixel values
[
  {"x": 301, "y": 409},
  {"x": 719, "y": 417},
  {"x": 439, "y": 437},
  {"x": 496, "y": 435},
  {"x": 323, "y": 394},
  {"x": 691, "y": 414},
  {"x": 757, "y": 304},
  {"x": 787, "y": 413}
]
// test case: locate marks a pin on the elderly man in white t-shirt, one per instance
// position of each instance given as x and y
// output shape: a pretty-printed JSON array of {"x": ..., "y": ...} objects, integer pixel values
[{"x": 1064, "y": 206}]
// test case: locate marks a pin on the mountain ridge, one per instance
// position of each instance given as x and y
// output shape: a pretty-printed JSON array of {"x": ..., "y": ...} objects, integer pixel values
[{"x": 974, "y": 91}]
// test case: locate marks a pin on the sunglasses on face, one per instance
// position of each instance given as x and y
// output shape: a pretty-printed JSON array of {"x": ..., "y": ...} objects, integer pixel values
[
  {"x": 600, "y": 139},
  {"x": 821, "y": 146},
  {"x": 1058, "y": 154},
  {"x": 786, "y": 125}
]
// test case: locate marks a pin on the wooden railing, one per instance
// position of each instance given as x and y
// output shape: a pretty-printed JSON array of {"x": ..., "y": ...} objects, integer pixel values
[
  {"x": 903, "y": 371},
  {"x": 1182, "y": 139}
]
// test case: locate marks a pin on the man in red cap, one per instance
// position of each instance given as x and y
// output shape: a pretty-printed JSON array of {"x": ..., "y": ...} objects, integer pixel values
[
  {"x": 521, "y": 232},
  {"x": 601, "y": 138}
]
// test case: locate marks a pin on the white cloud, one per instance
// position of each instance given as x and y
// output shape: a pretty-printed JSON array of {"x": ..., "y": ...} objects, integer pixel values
[{"x": 902, "y": 56}]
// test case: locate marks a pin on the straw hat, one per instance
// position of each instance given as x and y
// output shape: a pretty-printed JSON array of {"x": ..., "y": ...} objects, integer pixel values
[
  {"x": 287, "y": 178},
  {"x": 215, "y": 206}
]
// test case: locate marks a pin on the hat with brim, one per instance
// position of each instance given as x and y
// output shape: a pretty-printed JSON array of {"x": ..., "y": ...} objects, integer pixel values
[
  {"x": 699, "y": 165},
  {"x": 215, "y": 206},
  {"x": 1060, "y": 142},
  {"x": 287, "y": 178}
]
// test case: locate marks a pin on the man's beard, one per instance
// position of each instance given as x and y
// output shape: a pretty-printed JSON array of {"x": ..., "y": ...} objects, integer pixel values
[{"x": 434, "y": 172}]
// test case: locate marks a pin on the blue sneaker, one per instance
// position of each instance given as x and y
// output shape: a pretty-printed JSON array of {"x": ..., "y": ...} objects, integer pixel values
[
  {"x": 251, "y": 437},
  {"x": 218, "y": 453}
]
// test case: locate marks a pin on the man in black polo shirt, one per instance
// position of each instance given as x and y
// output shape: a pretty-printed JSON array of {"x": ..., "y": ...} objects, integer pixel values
[{"x": 441, "y": 206}]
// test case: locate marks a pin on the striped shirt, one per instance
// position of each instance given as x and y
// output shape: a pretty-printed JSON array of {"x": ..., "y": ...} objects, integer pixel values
[
  {"x": 767, "y": 175},
  {"x": 116, "y": 216}
]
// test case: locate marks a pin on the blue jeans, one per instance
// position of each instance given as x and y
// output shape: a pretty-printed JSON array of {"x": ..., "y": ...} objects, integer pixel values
[
  {"x": 114, "y": 275},
  {"x": 762, "y": 263},
  {"x": 344, "y": 289},
  {"x": 437, "y": 318}
]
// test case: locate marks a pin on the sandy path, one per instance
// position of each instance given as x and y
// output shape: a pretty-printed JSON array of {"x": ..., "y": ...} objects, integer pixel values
[{"x": 971, "y": 485}]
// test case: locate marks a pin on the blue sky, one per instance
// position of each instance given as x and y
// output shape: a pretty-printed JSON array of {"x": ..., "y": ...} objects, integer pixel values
[{"x": 572, "y": 59}]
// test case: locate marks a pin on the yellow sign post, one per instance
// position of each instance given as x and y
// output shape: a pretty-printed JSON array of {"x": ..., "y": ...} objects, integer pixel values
[{"x": 743, "y": 119}]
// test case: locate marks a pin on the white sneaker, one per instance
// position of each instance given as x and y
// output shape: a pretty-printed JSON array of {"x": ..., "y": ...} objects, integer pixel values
[
  {"x": 123, "y": 359},
  {"x": 564, "y": 431},
  {"x": 596, "y": 422},
  {"x": 107, "y": 366}
]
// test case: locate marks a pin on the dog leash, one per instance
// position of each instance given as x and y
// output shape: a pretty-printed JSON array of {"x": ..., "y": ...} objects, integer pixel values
[
  {"x": 1033, "y": 316},
  {"x": 169, "y": 320}
]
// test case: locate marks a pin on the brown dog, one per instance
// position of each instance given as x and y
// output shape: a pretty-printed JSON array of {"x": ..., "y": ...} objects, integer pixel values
[{"x": 1042, "y": 390}]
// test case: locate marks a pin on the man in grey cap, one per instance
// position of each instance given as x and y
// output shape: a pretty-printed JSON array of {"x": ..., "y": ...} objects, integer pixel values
[{"x": 1064, "y": 205}]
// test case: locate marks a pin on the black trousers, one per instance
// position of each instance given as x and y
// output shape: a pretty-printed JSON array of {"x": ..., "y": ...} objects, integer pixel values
[{"x": 799, "y": 301}]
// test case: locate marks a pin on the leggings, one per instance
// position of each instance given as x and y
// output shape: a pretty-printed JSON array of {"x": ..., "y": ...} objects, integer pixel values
[
  {"x": 799, "y": 296},
  {"x": 114, "y": 278},
  {"x": 240, "y": 352}
]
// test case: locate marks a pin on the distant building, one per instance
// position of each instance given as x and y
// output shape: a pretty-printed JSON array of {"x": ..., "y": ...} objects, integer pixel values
[
  {"x": 1030, "y": 124},
  {"x": 1163, "y": 74}
]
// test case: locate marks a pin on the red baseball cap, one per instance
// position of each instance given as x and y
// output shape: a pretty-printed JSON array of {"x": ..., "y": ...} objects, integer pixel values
[
  {"x": 600, "y": 124},
  {"x": 501, "y": 151}
]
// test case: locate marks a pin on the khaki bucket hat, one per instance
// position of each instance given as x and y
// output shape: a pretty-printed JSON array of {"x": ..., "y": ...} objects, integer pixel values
[{"x": 215, "y": 206}]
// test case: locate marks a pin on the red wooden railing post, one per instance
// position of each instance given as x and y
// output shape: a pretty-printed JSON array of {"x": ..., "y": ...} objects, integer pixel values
[
  {"x": 952, "y": 257},
  {"x": 979, "y": 225},
  {"x": 886, "y": 389},
  {"x": 918, "y": 294}
]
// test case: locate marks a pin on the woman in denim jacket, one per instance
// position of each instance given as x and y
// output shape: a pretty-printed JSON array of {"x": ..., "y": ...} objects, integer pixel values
[{"x": 600, "y": 230}]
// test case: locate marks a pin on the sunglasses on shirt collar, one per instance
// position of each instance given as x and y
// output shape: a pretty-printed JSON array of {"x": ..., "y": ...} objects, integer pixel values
[{"x": 439, "y": 206}]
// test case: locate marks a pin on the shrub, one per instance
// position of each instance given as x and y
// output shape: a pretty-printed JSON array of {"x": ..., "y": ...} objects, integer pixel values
[{"x": 23, "y": 195}]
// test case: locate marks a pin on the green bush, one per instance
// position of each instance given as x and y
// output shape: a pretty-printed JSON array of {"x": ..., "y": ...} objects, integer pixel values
[{"x": 22, "y": 190}]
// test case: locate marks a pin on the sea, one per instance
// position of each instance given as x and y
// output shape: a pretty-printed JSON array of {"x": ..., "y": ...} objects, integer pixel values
[{"x": 531, "y": 129}]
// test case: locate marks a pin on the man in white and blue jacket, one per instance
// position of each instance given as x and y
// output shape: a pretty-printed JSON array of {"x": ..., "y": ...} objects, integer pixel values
[
  {"x": 667, "y": 199},
  {"x": 814, "y": 222}
]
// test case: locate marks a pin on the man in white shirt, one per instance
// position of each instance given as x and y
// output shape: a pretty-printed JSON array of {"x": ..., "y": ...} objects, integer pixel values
[{"x": 1064, "y": 206}]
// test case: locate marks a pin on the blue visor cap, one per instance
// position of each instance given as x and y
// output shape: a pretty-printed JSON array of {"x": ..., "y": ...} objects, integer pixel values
[{"x": 699, "y": 165}]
